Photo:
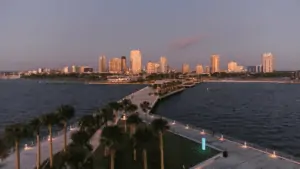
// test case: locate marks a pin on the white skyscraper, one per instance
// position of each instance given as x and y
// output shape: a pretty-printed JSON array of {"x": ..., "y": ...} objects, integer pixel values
[
  {"x": 267, "y": 63},
  {"x": 102, "y": 64},
  {"x": 163, "y": 64},
  {"x": 136, "y": 61}
]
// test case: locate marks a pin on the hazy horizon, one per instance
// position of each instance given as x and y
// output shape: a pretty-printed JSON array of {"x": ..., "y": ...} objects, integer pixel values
[{"x": 56, "y": 33}]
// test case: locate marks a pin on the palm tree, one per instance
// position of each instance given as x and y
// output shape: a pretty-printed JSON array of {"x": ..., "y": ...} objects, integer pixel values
[
  {"x": 86, "y": 122},
  {"x": 160, "y": 126},
  {"x": 81, "y": 138},
  {"x": 14, "y": 133},
  {"x": 145, "y": 106},
  {"x": 133, "y": 120},
  {"x": 64, "y": 114},
  {"x": 4, "y": 149},
  {"x": 111, "y": 137},
  {"x": 116, "y": 107},
  {"x": 35, "y": 125},
  {"x": 75, "y": 156},
  {"x": 143, "y": 138},
  {"x": 107, "y": 114},
  {"x": 49, "y": 120}
]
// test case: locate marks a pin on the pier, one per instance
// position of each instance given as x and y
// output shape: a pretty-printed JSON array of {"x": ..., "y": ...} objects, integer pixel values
[{"x": 240, "y": 155}]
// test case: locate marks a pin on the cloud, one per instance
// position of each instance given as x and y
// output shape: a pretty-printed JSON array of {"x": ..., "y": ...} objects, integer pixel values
[{"x": 184, "y": 43}]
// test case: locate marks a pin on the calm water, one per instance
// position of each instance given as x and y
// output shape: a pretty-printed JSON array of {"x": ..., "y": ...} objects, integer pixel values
[
  {"x": 262, "y": 113},
  {"x": 21, "y": 100}
]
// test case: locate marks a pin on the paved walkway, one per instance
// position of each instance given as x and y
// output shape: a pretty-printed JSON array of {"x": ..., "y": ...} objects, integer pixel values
[{"x": 239, "y": 157}]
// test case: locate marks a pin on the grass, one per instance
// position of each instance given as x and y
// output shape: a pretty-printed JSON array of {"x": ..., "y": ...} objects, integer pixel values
[{"x": 178, "y": 151}]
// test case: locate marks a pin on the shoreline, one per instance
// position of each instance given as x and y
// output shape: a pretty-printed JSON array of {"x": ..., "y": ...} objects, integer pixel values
[{"x": 251, "y": 81}]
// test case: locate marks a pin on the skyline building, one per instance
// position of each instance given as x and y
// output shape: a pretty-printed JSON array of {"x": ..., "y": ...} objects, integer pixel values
[
  {"x": 123, "y": 64},
  {"x": 150, "y": 68},
  {"x": 267, "y": 63},
  {"x": 185, "y": 68},
  {"x": 207, "y": 69},
  {"x": 199, "y": 69},
  {"x": 102, "y": 64},
  {"x": 163, "y": 64},
  {"x": 136, "y": 61},
  {"x": 115, "y": 65},
  {"x": 215, "y": 63},
  {"x": 232, "y": 66}
]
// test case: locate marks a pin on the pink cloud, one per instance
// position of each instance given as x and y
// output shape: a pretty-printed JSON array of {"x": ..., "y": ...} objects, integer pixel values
[{"x": 185, "y": 43}]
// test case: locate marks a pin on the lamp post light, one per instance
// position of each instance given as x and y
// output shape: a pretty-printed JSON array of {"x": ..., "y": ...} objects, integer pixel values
[{"x": 124, "y": 118}]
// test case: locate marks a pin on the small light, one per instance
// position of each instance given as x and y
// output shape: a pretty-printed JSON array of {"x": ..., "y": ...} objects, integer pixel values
[
  {"x": 202, "y": 132},
  {"x": 187, "y": 126},
  {"x": 274, "y": 155},
  {"x": 26, "y": 147},
  {"x": 173, "y": 122},
  {"x": 245, "y": 145},
  {"x": 222, "y": 138}
]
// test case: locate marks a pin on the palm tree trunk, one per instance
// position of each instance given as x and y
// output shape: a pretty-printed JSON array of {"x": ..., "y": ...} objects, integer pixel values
[
  {"x": 17, "y": 155},
  {"x": 134, "y": 154},
  {"x": 145, "y": 158},
  {"x": 50, "y": 146},
  {"x": 38, "y": 158},
  {"x": 112, "y": 159},
  {"x": 161, "y": 146},
  {"x": 125, "y": 128},
  {"x": 65, "y": 136}
]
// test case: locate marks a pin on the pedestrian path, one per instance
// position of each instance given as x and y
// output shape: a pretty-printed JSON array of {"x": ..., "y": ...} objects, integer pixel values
[{"x": 239, "y": 155}]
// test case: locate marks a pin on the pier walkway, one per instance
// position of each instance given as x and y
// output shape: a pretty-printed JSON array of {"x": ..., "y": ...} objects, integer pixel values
[{"x": 239, "y": 155}]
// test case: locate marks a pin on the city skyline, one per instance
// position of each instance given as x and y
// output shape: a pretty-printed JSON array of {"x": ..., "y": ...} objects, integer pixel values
[{"x": 54, "y": 34}]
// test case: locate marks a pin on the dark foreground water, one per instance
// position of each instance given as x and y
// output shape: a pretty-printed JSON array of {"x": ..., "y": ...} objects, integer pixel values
[
  {"x": 263, "y": 113},
  {"x": 21, "y": 100}
]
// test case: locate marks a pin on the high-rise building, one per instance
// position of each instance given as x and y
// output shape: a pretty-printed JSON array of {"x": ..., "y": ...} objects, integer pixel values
[
  {"x": 123, "y": 64},
  {"x": 136, "y": 61},
  {"x": 65, "y": 69},
  {"x": 163, "y": 64},
  {"x": 115, "y": 65},
  {"x": 75, "y": 69},
  {"x": 85, "y": 69},
  {"x": 199, "y": 69},
  {"x": 102, "y": 64},
  {"x": 232, "y": 66},
  {"x": 207, "y": 69},
  {"x": 267, "y": 62},
  {"x": 215, "y": 63},
  {"x": 185, "y": 68},
  {"x": 150, "y": 68}
]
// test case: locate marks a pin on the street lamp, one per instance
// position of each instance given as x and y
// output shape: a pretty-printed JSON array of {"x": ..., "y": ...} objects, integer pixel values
[{"x": 124, "y": 118}]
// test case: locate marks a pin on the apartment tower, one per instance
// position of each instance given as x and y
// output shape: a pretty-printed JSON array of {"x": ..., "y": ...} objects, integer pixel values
[
  {"x": 136, "y": 61},
  {"x": 102, "y": 64},
  {"x": 163, "y": 64},
  {"x": 215, "y": 63},
  {"x": 267, "y": 63}
]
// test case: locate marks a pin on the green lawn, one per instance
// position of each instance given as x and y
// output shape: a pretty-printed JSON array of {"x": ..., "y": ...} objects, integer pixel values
[{"x": 179, "y": 151}]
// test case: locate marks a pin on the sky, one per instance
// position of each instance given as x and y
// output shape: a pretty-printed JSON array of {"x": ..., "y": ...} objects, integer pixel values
[{"x": 56, "y": 33}]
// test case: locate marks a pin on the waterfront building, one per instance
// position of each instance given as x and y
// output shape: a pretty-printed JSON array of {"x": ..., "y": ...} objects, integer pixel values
[
  {"x": 152, "y": 67},
  {"x": 85, "y": 69},
  {"x": 75, "y": 69},
  {"x": 207, "y": 69},
  {"x": 185, "y": 68},
  {"x": 136, "y": 61},
  {"x": 251, "y": 69},
  {"x": 234, "y": 67},
  {"x": 163, "y": 64},
  {"x": 115, "y": 65},
  {"x": 215, "y": 63},
  {"x": 123, "y": 64},
  {"x": 267, "y": 63},
  {"x": 199, "y": 69},
  {"x": 65, "y": 69},
  {"x": 102, "y": 64}
]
